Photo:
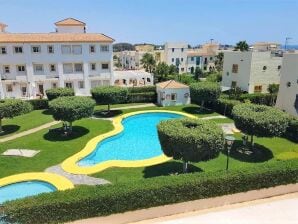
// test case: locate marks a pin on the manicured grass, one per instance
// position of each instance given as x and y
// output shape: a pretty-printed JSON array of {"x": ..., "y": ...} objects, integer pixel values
[
  {"x": 25, "y": 122},
  {"x": 54, "y": 148},
  {"x": 222, "y": 120}
]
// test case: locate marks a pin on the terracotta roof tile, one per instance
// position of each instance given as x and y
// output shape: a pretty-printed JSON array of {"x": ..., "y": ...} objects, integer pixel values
[
  {"x": 53, "y": 37},
  {"x": 171, "y": 84},
  {"x": 70, "y": 22}
]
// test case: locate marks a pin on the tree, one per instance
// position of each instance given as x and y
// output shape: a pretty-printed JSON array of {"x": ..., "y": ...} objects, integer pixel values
[
  {"x": 242, "y": 46},
  {"x": 148, "y": 62},
  {"x": 190, "y": 140},
  {"x": 214, "y": 77},
  {"x": 109, "y": 95},
  {"x": 12, "y": 107},
  {"x": 198, "y": 73},
  {"x": 259, "y": 120},
  {"x": 201, "y": 92},
  {"x": 71, "y": 108},
  {"x": 173, "y": 70},
  {"x": 161, "y": 72},
  {"x": 219, "y": 61},
  {"x": 185, "y": 78},
  {"x": 273, "y": 90},
  {"x": 59, "y": 92}
]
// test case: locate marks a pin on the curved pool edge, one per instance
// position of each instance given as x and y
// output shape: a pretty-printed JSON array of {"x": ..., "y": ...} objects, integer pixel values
[
  {"x": 59, "y": 182},
  {"x": 70, "y": 164}
]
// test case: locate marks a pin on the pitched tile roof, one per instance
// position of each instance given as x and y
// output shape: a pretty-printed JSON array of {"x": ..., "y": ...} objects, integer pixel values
[
  {"x": 70, "y": 22},
  {"x": 53, "y": 37},
  {"x": 3, "y": 25},
  {"x": 171, "y": 84}
]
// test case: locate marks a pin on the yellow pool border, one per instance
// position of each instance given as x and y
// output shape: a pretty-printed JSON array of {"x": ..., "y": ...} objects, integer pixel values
[
  {"x": 59, "y": 182},
  {"x": 70, "y": 164}
]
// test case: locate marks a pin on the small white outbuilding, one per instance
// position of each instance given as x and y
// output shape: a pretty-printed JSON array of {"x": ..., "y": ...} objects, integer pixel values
[{"x": 172, "y": 93}]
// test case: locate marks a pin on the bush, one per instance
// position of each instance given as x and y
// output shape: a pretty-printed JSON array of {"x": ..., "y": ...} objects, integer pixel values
[
  {"x": 259, "y": 98},
  {"x": 59, "y": 92},
  {"x": 71, "y": 108},
  {"x": 149, "y": 97},
  {"x": 89, "y": 201},
  {"x": 143, "y": 89},
  {"x": 292, "y": 130},
  {"x": 190, "y": 140},
  {"x": 109, "y": 95},
  {"x": 39, "y": 104},
  {"x": 225, "y": 106},
  {"x": 260, "y": 120},
  {"x": 204, "y": 91}
]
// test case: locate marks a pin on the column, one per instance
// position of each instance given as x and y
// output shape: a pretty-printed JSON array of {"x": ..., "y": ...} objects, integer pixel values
[
  {"x": 60, "y": 73},
  {"x": 86, "y": 78}
]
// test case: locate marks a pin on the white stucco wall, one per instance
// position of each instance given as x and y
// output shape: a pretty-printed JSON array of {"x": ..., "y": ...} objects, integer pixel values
[
  {"x": 289, "y": 74},
  {"x": 181, "y": 99},
  {"x": 180, "y": 52},
  {"x": 70, "y": 29}
]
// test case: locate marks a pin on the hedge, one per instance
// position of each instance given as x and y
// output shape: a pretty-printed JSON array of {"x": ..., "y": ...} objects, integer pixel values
[
  {"x": 59, "y": 92},
  {"x": 109, "y": 94},
  {"x": 143, "y": 89},
  {"x": 145, "y": 97},
  {"x": 39, "y": 104},
  {"x": 259, "y": 98},
  {"x": 86, "y": 201},
  {"x": 202, "y": 92},
  {"x": 223, "y": 106},
  {"x": 292, "y": 130}
]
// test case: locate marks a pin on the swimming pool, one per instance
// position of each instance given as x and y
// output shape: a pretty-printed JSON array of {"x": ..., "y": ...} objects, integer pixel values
[
  {"x": 24, "y": 189},
  {"x": 137, "y": 141}
]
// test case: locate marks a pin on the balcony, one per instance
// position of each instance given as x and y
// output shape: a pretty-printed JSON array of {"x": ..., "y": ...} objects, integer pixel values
[
  {"x": 22, "y": 78},
  {"x": 105, "y": 75}
]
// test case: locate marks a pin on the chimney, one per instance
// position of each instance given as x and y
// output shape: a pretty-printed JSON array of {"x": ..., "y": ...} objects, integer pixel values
[{"x": 2, "y": 27}]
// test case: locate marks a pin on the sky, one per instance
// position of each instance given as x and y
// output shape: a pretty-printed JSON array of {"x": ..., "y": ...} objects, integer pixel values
[{"x": 159, "y": 21}]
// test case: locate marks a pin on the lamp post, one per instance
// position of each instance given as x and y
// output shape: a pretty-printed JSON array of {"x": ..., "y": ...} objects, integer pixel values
[{"x": 229, "y": 141}]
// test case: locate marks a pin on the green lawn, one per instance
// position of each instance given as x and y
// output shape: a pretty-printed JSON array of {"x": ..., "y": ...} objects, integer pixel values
[
  {"x": 25, "y": 122},
  {"x": 54, "y": 148}
]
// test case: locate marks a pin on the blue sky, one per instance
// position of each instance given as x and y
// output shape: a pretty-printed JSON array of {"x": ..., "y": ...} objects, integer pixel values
[{"x": 158, "y": 21}]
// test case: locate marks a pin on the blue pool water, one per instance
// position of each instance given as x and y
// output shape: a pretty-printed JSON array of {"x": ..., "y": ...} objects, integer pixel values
[
  {"x": 24, "y": 189},
  {"x": 138, "y": 140}
]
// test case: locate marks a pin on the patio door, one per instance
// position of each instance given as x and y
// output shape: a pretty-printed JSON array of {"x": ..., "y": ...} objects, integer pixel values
[
  {"x": 40, "y": 89},
  {"x": 24, "y": 91}
]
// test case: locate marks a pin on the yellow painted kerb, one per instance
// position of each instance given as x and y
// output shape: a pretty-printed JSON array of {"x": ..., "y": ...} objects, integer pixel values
[
  {"x": 59, "y": 182},
  {"x": 70, "y": 164}
]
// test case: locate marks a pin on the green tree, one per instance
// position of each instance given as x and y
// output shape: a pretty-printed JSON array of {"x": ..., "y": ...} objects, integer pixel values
[
  {"x": 185, "y": 78},
  {"x": 273, "y": 90},
  {"x": 201, "y": 92},
  {"x": 71, "y": 108},
  {"x": 198, "y": 73},
  {"x": 109, "y": 95},
  {"x": 173, "y": 70},
  {"x": 259, "y": 120},
  {"x": 161, "y": 72},
  {"x": 148, "y": 62},
  {"x": 219, "y": 61},
  {"x": 59, "y": 92},
  {"x": 12, "y": 107},
  {"x": 242, "y": 46},
  {"x": 190, "y": 140}
]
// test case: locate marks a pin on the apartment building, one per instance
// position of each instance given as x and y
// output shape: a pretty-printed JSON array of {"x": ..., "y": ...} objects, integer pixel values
[
  {"x": 176, "y": 54},
  {"x": 31, "y": 63},
  {"x": 266, "y": 46},
  {"x": 252, "y": 71},
  {"x": 287, "y": 98}
]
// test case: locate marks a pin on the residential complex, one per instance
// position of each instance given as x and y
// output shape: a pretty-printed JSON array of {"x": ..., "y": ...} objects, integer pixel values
[
  {"x": 288, "y": 90},
  {"x": 252, "y": 71},
  {"x": 34, "y": 62}
]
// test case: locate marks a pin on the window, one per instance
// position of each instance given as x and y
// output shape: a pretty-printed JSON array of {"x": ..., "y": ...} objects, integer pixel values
[
  {"x": 76, "y": 49},
  {"x": 173, "y": 49},
  {"x": 6, "y": 69},
  {"x": 93, "y": 66},
  {"x": 192, "y": 58},
  {"x": 182, "y": 49},
  {"x": 104, "y": 48},
  {"x": 264, "y": 68},
  {"x": 235, "y": 68},
  {"x": 68, "y": 84},
  {"x": 211, "y": 58},
  {"x": 105, "y": 66},
  {"x": 54, "y": 85},
  {"x": 67, "y": 68},
  {"x": 38, "y": 68},
  {"x": 50, "y": 49},
  {"x": 65, "y": 49},
  {"x": 3, "y": 50},
  {"x": 92, "y": 48},
  {"x": 181, "y": 59},
  {"x": 81, "y": 84},
  {"x": 8, "y": 87},
  {"x": 278, "y": 67},
  {"x": 21, "y": 68},
  {"x": 35, "y": 49},
  {"x": 296, "y": 103},
  {"x": 182, "y": 69},
  {"x": 18, "y": 50},
  {"x": 52, "y": 68},
  {"x": 258, "y": 89},
  {"x": 78, "y": 67},
  {"x": 174, "y": 96},
  {"x": 289, "y": 84},
  {"x": 173, "y": 59},
  {"x": 234, "y": 84}
]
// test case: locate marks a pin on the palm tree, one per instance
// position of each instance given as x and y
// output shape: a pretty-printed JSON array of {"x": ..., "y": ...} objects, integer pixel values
[
  {"x": 242, "y": 46},
  {"x": 148, "y": 62}
]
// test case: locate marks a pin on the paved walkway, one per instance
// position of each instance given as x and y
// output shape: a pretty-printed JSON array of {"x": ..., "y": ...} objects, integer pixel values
[
  {"x": 143, "y": 216},
  {"x": 76, "y": 179},
  {"x": 135, "y": 106},
  {"x": 28, "y": 132},
  {"x": 214, "y": 117}
]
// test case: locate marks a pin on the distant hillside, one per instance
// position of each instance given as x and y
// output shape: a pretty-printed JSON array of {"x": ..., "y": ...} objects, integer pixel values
[{"x": 123, "y": 47}]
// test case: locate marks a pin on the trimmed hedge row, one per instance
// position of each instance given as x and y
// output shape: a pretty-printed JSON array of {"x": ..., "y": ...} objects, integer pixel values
[
  {"x": 259, "y": 98},
  {"x": 84, "y": 202},
  {"x": 59, "y": 92},
  {"x": 292, "y": 130},
  {"x": 145, "y": 97},
  {"x": 39, "y": 104},
  {"x": 143, "y": 89}
]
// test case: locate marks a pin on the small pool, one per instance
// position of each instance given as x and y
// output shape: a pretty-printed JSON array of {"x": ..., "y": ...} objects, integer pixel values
[
  {"x": 24, "y": 189},
  {"x": 137, "y": 141}
]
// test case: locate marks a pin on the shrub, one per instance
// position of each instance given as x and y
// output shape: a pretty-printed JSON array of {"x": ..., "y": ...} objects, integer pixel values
[
  {"x": 109, "y": 95},
  {"x": 225, "y": 106},
  {"x": 204, "y": 91},
  {"x": 71, "y": 108},
  {"x": 149, "y": 97},
  {"x": 89, "y": 201},
  {"x": 12, "y": 107},
  {"x": 190, "y": 140},
  {"x": 259, "y": 98},
  {"x": 260, "y": 120},
  {"x": 292, "y": 130},
  {"x": 59, "y": 92},
  {"x": 39, "y": 104},
  {"x": 143, "y": 89}
]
